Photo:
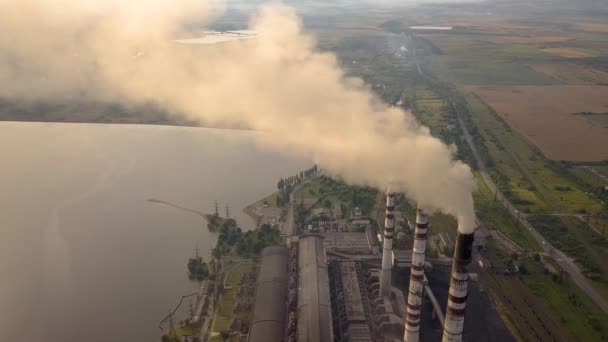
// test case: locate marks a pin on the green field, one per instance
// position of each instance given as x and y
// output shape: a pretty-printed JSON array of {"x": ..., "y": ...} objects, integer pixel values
[
  {"x": 495, "y": 216},
  {"x": 546, "y": 305},
  {"x": 576, "y": 239},
  {"x": 432, "y": 111},
  {"x": 226, "y": 311},
  {"x": 588, "y": 177},
  {"x": 466, "y": 59}
]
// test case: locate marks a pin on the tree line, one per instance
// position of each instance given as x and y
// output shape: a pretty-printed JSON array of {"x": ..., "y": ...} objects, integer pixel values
[{"x": 286, "y": 185}]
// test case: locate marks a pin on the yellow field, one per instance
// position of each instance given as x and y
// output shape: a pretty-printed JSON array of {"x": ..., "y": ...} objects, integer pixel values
[{"x": 545, "y": 115}]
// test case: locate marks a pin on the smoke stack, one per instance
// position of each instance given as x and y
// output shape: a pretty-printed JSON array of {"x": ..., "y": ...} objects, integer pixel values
[
  {"x": 457, "y": 297},
  {"x": 389, "y": 228},
  {"x": 414, "y": 298}
]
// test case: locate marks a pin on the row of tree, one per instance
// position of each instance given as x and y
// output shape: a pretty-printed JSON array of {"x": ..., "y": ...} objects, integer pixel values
[{"x": 286, "y": 185}]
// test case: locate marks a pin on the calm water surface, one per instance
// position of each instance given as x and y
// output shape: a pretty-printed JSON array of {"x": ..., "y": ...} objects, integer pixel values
[{"x": 83, "y": 255}]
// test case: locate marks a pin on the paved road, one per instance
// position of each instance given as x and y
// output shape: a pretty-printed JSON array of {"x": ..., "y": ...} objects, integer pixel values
[
  {"x": 560, "y": 257},
  {"x": 290, "y": 220}
]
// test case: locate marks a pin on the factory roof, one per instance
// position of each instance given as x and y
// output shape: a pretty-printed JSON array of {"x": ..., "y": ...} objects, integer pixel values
[
  {"x": 269, "y": 310},
  {"x": 348, "y": 241},
  {"x": 358, "y": 332},
  {"x": 352, "y": 293},
  {"x": 314, "y": 307}
]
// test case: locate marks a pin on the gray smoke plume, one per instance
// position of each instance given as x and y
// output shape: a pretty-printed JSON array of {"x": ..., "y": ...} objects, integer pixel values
[{"x": 278, "y": 83}]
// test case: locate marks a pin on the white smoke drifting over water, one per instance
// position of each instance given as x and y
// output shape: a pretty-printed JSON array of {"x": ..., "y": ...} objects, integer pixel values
[{"x": 278, "y": 83}]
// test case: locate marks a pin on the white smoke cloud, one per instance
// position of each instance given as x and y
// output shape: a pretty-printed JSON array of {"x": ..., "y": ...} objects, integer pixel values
[{"x": 278, "y": 83}]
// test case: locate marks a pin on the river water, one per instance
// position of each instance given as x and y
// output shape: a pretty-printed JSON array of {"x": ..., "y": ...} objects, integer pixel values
[{"x": 83, "y": 255}]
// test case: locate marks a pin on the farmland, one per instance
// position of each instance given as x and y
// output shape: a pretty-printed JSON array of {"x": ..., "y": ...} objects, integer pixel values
[
  {"x": 571, "y": 73},
  {"x": 569, "y": 136},
  {"x": 531, "y": 182},
  {"x": 533, "y": 94}
]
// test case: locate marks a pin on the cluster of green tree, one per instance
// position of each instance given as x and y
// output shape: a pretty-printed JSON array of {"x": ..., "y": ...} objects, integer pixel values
[
  {"x": 170, "y": 338},
  {"x": 349, "y": 197},
  {"x": 363, "y": 197},
  {"x": 198, "y": 269},
  {"x": 286, "y": 185},
  {"x": 217, "y": 223},
  {"x": 245, "y": 244},
  {"x": 359, "y": 197}
]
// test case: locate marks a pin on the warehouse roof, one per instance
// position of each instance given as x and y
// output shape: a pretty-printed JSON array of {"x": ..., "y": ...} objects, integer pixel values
[
  {"x": 269, "y": 309},
  {"x": 314, "y": 307}
]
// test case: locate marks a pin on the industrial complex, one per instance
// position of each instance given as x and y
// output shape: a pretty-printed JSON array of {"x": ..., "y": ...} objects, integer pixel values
[{"x": 330, "y": 285}]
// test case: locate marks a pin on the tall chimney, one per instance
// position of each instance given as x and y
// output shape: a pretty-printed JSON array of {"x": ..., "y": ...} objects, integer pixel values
[
  {"x": 457, "y": 297},
  {"x": 414, "y": 298},
  {"x": 389, "y": 228}
]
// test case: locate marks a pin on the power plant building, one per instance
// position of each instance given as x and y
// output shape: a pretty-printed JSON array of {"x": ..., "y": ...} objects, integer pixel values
[
  {"x": 314, "y": 321},
  {"x": 336, "y": 287},
  {"x": 269, "y": 309}
]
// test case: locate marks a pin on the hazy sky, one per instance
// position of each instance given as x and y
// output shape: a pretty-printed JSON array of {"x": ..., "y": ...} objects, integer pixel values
[{"x": 278, "y": 83}]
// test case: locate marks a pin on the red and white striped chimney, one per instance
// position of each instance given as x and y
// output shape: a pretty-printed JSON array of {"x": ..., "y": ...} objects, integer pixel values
[
  {"x": 387, "y": 252},
  {"x": 414, "y": 298},
  {"x": 457, "y": 297}
]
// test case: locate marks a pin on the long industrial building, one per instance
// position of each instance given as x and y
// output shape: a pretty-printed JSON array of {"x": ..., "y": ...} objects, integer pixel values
[
  {"x": 269, "y": 309},
  {"x": 314, "y": 306}
]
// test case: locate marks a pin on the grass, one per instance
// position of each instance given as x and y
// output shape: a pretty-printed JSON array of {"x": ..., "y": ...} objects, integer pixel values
[
  {"x": 576, "y": 312},
  {"x": 308, "y": 189},
  {"x": 476, "y": 72},
  {"x": 432, "y": 112},
  {"x": 541, "y": 304},
  {"x": 599, "y": 224},
  {"x": 588, "y": 177},
  {"x": 505, "y": 171},
  {"x": 225, "y": 313},
  {"x": 495, "y": 216},
  {"x": 570, "y": 73},
  {"x": 179, "y": 333},
  {"x": 533, "y": 183},
  {"x": 466, "y": 59}
]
